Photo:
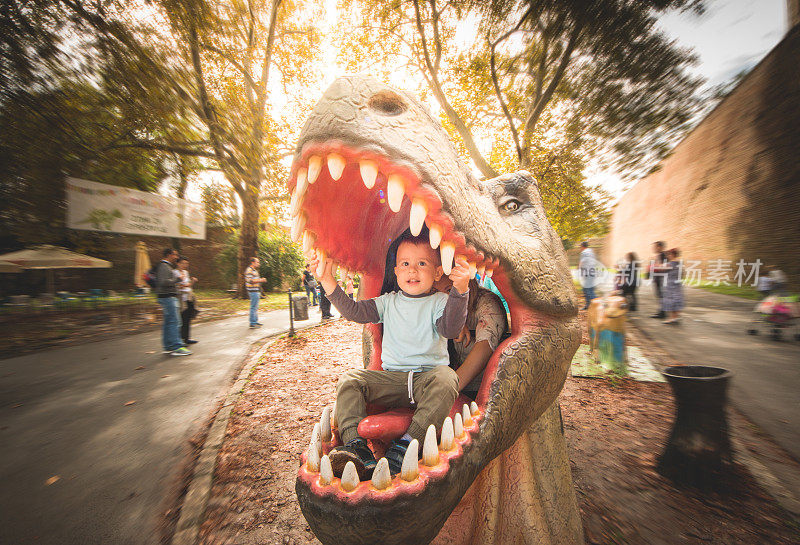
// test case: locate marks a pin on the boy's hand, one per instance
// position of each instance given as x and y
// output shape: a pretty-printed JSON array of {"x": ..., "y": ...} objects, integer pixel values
[
  {"x": 324, "y": 270},
  {"x": 460, "y": 275}
]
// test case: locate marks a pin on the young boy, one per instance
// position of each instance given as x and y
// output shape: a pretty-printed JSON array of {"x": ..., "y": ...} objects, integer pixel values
[{"x": 417, "y": 323}]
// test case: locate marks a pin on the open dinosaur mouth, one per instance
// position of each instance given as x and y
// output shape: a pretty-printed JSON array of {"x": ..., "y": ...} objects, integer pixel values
[{"x": 348, "y": 205}]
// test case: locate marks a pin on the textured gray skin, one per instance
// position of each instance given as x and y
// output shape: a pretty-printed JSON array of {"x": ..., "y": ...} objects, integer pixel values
[{"x": 532, "y": 369}]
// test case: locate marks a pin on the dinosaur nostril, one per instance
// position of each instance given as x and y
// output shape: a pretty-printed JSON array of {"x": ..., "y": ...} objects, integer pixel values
[{"x": 388, "y": 103}]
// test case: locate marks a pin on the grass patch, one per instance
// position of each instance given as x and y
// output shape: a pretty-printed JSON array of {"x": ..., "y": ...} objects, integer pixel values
[
  {"x": 746, "y": 292},
  {"x": 221, "y": 301}
]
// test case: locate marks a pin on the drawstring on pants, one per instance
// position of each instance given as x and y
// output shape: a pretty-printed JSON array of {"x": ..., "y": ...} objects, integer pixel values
[{"x": 411, "y": 387}]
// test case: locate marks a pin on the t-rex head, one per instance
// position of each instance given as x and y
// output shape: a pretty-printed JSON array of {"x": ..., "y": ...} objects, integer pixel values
[{"x": 371, "y": 161}]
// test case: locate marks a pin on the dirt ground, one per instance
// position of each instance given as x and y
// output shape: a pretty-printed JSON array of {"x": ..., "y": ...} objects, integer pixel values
[{"x": 615, "y": 429}]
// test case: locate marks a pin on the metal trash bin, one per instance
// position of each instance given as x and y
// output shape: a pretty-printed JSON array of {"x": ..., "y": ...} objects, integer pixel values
[
  {"x": 300, "y": 307},
  {"x": 698, "y": 451}
]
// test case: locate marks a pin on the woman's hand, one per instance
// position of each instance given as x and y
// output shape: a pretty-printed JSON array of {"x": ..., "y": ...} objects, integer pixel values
[{"x": 460, "y": 275}]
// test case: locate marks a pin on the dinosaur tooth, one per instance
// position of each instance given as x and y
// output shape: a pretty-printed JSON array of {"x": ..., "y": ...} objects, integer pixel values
[
  {"x": 435, "y": 235},
  {"x": 473, "y": 408},
  {"x": 312, "y": 460},
  {"x": 410, "y": 468},
  {"x": 325, "y": 470},
  {"x": 315, "y": 436},
  {"x": 321, "y": 266},
  {"x": 333, "y": 416},
  {"x": 314, "y": 167},
  {"x": 380, "y": 477},
  {"x": 325, "y": 425},
  {"x": 369, "y": 171},
  {"x": 417, "y": 216},
  {"x": 349, "y": 477},
  {"x": 481, "y": 270},
  {"x": 448, "y": 251},
  {"x": 298, "y": 225},
  {"x": 466, "y": 415},
  {"x": 309, "y": 239},
  {"x": 336, "y": 164},
  {"x": 458, "y": 426},
  {"x": 430, "y": 450},
  {"x": 395, "y": 189},
  {"x": 473, "y": 268},
  {"x": 489, "y": 272},
  {"x": 448, "y": 438},
  {"x": 299, "y": 192}
]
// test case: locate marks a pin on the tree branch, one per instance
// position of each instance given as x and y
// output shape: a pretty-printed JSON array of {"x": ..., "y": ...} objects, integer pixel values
[
  {"x": 159, "y": 146},
  {"x": 511, "y": 125},
  {"x": 452, "y": 115},
  {"x": 533, "y": 118}
]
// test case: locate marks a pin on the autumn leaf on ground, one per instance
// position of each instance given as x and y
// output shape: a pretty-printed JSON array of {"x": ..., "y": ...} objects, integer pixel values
[
  {"x": 52, "y": 479},
  {"x": 140, "y": 368},
  {"x": 130, "y": 402}
]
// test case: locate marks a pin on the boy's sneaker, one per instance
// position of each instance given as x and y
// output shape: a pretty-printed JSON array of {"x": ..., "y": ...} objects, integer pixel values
[
  {"x": 254, "y": 326},
  {"x": 181, "y": 352},
  {"x": 356, "y": 451},
  {"x": 395, "y": 454}
]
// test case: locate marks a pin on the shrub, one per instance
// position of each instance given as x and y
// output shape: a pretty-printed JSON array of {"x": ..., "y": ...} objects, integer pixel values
[{"x": 281, "y": 260}]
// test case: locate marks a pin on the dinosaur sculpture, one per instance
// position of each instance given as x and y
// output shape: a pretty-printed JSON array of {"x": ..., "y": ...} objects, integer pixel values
[{"x": 371, "y": 161}]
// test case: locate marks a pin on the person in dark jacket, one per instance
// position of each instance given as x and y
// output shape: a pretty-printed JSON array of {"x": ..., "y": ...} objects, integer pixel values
[
  {"x": 167, "y": 281},
  {"x": 629, "y": 279}
]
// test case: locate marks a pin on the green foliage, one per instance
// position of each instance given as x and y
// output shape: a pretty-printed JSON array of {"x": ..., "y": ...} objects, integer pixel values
[
  {"x": 49, "y": 134},
  {"x": 543, "y": 85},
  {"x": 281, "y": 260}
]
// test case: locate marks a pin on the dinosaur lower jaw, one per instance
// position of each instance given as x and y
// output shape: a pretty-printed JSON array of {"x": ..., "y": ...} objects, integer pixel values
[{"x": 349, "y": 204}]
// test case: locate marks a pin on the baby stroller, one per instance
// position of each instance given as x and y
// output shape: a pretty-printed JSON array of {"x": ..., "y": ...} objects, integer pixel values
[{"x": 776, "y": 313}]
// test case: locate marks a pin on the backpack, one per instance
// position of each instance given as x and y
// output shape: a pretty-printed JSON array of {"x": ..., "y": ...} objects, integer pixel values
[{"x": 150, "y": 276}]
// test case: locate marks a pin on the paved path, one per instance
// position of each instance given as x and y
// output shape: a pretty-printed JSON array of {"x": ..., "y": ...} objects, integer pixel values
[
  {"x": 766, "y": 381},
  {"x": 63, "y": 413}
]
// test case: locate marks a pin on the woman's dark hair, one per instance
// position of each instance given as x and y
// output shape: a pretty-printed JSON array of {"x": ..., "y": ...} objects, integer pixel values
[
  {"x": 389, "y": 278},
  {"x": 674, "y": 252},
  {"x": 183, "y": 258},
  {"x": 167, "y": 252},
  {"x": 632, "y": 257}
]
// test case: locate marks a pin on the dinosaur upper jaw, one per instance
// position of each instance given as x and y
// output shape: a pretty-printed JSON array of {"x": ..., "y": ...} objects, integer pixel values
[{"x": 349, "y": 203}]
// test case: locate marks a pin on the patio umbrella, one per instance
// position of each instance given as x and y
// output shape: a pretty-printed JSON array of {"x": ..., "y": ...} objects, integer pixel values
[
  {"x": 142, "y": 264},
  {"x": 51, "y": 257},
  {"x": 10, "y": 268}
]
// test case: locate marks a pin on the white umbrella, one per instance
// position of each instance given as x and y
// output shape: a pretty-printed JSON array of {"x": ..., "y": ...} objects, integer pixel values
[
  {"x": 10, "y": 268},
  {"x": 52, "y": 257}
]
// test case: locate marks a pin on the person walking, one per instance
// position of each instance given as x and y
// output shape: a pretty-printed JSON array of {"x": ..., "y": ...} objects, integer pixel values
[
  {"x": 310, "y": 284},
  {"x": 188, "y": 301},
  {"x": 252, "y": 282},
  {"x": 656, "y": 272},
  {"x": 587, "y": 266},
  {"x": 629, "y": 279},
  {"x": 672, "y": 289},
  {"x": 349, "y": 286},
  {"x": 167, "y": 293}
]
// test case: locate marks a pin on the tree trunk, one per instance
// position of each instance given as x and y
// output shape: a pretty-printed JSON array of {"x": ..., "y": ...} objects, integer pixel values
[{"x": 248, "y": 235}]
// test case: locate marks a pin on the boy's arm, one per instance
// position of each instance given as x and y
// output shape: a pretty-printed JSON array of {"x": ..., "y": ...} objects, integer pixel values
[
  {"x": 454, "y": 317},
  {"x": 361, "y": 312}
]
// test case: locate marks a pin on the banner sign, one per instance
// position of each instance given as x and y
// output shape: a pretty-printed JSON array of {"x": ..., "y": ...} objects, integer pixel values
[{"x": 100, "y": 207}]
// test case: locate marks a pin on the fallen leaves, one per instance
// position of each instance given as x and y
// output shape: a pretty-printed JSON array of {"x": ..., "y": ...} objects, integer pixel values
[
  {"x": 140, "y": 368},
  {"x": 130, "y": 403},
  {"x": 52, "y": 480}
]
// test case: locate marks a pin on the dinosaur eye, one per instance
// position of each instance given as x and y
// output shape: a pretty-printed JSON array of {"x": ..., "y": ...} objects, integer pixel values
[
  {"x": 510, "y": 206},
  {"x": 387, "y": 103}
]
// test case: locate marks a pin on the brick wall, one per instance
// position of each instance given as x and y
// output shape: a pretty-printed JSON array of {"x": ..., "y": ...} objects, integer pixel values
[{"x": 730, "y": 189}]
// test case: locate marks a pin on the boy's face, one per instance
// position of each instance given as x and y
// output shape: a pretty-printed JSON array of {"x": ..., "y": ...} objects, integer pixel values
[{"x": 417, "y": 268}]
